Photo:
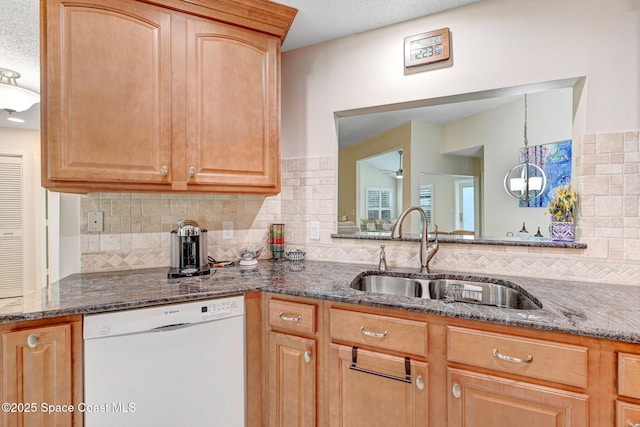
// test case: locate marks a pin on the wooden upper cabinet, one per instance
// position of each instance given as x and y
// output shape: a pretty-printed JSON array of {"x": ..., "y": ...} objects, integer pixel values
[
  {"x": 107, "y": 98},
  {"x": 232, "y": 106},
  {"x": 147, "y": 96}
]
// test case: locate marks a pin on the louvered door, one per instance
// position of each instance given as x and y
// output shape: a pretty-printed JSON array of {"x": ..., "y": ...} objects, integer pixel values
[{"x": 11, "y": 227}]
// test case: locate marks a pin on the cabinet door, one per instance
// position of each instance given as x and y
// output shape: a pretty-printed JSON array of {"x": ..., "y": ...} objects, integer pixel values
[
  {"x": 363, "y": 398},
  {"x": 292, "y": 381},
  {"x": 37, "y": 369},
  {"x": 478, "y": 400},
  {"x": 232, "y": 105},
  {"x": 107, "y": 101}
]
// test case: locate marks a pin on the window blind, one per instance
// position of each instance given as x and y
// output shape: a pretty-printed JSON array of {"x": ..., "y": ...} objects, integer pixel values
[
  {"x": 379, "y": 203},
  {"x": 11, "y": 227},
  {"x": 426, "y": 203}
]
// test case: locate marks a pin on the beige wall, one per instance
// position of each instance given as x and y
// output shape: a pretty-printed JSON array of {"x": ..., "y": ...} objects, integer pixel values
[{"x": 397, "y": 138}]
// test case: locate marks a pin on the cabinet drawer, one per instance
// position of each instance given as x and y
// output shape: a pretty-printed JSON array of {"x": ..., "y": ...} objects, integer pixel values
[
  {"x": 292, "y": 316},
  {"x": 405, "y": 336},
  {"x": 628, "y": 374},
  {"x": 546, "y": 360},
  {"x": 627, "y": 414}
]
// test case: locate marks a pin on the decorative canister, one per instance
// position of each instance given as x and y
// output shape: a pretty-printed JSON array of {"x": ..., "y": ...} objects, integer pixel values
[
  {"x": 562, "y": 231},
  {"x": 276, "y": 240}
]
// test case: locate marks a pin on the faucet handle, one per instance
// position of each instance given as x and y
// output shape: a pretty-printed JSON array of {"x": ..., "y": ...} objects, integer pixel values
[{"x": 382, "y": 264}]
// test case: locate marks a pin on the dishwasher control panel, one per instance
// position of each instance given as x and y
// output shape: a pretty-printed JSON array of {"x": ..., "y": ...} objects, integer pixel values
[
  {"x": 161, "y": 318},
  {"x": 216, "y": 308}
]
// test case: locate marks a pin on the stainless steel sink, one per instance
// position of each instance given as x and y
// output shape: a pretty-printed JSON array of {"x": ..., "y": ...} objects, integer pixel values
[{"x": 449, "y": 288}]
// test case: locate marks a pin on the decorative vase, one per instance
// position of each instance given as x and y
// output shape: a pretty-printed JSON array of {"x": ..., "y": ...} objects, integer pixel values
[{"x": 562, "y": 231}]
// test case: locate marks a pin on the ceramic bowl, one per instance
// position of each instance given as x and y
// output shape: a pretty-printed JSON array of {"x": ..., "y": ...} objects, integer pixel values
[
  {"x": 295, "y": 255},
  {"x": 249, "y": 254}
]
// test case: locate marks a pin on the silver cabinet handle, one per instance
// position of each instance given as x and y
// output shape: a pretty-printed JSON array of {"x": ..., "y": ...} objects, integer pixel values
[
  {"x": 363, "y": 331},
  {"x": 164, "y": 170},
  {"x": 634, "y": 425},
  {"x": 192, "y": 171},
  {"x": 420, "y": 382},
  {"x": 290, "y": 318},
  {"x": 506, "y": 358},
  {"x": 307, "y": 356},
  {"x": 32, "y": 341},
  {"x": 456, "y": 391}
]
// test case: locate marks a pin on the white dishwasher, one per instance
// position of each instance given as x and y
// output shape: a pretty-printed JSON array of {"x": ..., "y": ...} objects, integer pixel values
[{"x": 174, "y": 365}]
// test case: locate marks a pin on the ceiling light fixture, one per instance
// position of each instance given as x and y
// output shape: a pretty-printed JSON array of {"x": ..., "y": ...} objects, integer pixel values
[
  {"x": 399, "y": 173},
  {"x": 11, "y": 118},
  {"x": 525, "y": 181},
  {"x": 12, "y": 96}
]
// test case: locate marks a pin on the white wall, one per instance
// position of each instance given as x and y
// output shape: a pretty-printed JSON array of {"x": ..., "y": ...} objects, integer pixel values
[{"x": 495, "y": 44}]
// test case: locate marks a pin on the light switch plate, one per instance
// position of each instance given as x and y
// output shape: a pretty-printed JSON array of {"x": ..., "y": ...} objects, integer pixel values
[
  {"x": 95, "y": 221},
  {"x": 227, "y": 230},
  {"x": 314, "y": 230}
]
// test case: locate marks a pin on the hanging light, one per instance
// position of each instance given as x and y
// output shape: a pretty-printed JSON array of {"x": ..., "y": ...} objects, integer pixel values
[
  {"x": 399, "y": 173},
  {"x": 13, "y": 118},
  {"x": 525, "y": 181},
  {"x": 12, "y": 96}
]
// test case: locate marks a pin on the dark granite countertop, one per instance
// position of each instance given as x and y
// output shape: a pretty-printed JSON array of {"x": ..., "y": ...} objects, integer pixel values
[{"x": 601, "y": 311}]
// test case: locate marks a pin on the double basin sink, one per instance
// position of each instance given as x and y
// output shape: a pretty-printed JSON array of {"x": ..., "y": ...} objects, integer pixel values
[{"x": 449, "y": 288}]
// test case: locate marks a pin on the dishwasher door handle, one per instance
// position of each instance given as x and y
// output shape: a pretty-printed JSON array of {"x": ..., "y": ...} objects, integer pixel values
[{"x": 172, "y": 327}]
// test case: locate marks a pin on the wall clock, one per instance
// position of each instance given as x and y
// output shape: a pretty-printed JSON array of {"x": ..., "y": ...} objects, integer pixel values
[{"x": 426, "y": 48}]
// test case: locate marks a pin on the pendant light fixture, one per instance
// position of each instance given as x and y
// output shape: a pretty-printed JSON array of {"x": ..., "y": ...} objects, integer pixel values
[
  {"x": 400, "y": 173},
  {"x": 525, "y": 181},
  {"x": 14, "y": 98}
]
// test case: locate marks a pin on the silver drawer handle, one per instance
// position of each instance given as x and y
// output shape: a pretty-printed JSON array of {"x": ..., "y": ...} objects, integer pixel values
[
  {"x": 289, "y": 318},
  {"x": 363, "y": 331},
  {"x": 307, "y": 356},
  {"x": 32, "y": 341},
  {"x": 500, "y": 356},
  {"x": 634, "y": 425},
  {"x": 456, "y": 391}
]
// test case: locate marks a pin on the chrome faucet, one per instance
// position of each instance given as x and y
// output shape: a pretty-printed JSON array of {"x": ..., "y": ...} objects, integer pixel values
[
  {"x": 382, "y": 264},
  {"x": 426, "y": 251}
]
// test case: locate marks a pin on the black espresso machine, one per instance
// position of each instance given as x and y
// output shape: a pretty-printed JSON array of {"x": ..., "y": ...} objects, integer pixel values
[{"x": 188, "y": 251}]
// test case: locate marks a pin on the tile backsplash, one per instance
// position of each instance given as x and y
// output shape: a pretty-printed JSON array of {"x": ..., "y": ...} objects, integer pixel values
[{"x": 136, "y": 226}]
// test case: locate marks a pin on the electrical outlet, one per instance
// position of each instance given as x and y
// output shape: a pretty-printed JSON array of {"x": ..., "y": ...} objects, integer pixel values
[
  {"x": 314, "y": 230},
  {"x": 95, "y": 221},
  {"x": 227, "y": 230}
]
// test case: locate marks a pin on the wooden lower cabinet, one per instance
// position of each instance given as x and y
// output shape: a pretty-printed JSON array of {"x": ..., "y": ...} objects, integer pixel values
[
  {"x": 41, "y": 370},
  {"x": 480, "y": 400},
  {"x": 376, "y": 389},
  {"x": 292, "y": 381},
  {"x": 461, "y": 372},
  {"x": 627, "y": 414}
]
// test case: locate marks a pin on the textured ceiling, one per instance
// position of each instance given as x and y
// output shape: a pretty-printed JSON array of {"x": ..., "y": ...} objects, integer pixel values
[{"x": 20, "y": 40}]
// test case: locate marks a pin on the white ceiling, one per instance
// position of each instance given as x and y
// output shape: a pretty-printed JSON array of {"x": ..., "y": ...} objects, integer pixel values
[
  {"x": 323, "y": 20},
  {"x": 316, "y": 22}
]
